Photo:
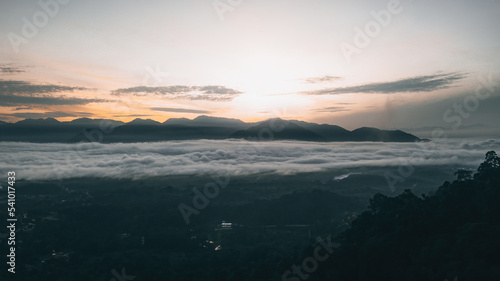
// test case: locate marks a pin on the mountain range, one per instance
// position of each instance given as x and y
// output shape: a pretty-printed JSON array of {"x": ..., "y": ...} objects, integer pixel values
[{"x": 202, "y": 127}]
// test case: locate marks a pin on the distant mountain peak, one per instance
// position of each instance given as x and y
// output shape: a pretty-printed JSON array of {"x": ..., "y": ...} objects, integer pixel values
[
  {"x": 83, "y": 119},
  {"x": 177, "y": 121},
  {"x": 277, "y": 129},
  {"x": 140, "y": 121},
  {"x": 205, "y": 118},
  {"x": 93, "y": 122},
  {"x": 374, "y": 134},
  {"x": 275, "y": 119},
  {"x": 39, "y": 121},
  {"x": 201, "y": 117}
]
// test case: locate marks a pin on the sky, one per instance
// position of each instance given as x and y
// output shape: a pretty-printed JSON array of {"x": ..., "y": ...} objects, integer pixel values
[{"x": 387, "y": 64}]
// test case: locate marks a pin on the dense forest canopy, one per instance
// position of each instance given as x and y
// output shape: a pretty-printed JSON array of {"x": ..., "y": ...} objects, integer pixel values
[{"x": 453, "y": 234}]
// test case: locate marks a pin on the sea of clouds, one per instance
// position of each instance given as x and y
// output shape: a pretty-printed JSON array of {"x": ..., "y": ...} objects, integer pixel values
[{"x": 33, "y": 161}]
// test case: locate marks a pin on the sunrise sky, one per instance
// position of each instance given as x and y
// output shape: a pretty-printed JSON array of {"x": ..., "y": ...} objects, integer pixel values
[{"x": 252, "y": 60}]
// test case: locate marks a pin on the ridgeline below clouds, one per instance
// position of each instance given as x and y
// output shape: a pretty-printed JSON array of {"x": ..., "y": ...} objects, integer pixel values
[{"x": 202, "y": 127}]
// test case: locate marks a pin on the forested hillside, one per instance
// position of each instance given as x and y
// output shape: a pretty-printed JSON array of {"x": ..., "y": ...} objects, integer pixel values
[{"x": 453, "y": 234}]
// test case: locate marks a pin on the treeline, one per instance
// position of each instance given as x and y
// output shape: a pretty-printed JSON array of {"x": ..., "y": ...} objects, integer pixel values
[{"x": 452, "y": 235}]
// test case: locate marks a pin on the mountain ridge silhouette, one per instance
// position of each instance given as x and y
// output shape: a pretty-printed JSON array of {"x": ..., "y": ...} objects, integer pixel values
[{"x": 201, "y": 127}]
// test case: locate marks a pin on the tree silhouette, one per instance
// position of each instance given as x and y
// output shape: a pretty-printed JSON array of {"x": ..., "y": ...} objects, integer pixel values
[
  {"x": 463, "y": 175},
  {"x": 491, "y": 161},
  {"x": 450, "y": 235}
]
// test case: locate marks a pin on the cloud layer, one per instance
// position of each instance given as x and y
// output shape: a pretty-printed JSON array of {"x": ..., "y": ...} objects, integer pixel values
[
  {"x": 426, "y": 83},
  {"x": 210, "y": 93},
  {"x": 180, "y": 110},
  {"x": 323, "y": 79},
  {"x": 139, "y": 160},
  {"x": 333, "y": 109},
  {"x": 22, "y": 93},
  {"x": 10, "y": 69},
  {"x": 23, "y": 87},
  {"x": 52, "y": 114}
]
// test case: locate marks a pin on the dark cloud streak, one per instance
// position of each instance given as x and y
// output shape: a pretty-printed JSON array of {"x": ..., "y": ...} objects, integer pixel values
[
  {"x": 14, "y": 100},
  {"x": 26, "y": 94},
  {"x": 9, "y": 69},
  {"x": 54, "y": 114},
  {"x": 426, "y": 83},
  {"x": 323, "y": 79},
  {"x": 26, "y": 88},
  {"x": 180, "y": 110},
  {"x": 209, "y": 93},
  {"x": 333, "y": 109}
]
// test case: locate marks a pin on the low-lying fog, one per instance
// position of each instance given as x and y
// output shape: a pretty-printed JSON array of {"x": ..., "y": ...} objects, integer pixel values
[{"x": 237, "y": 157}]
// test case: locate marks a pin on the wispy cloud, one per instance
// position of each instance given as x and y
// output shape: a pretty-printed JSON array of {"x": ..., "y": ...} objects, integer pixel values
[
  {"x": 26, "y": 94},
  {"x": 10, "y": 69},
  {"x": 209, "y": 93},
  {"x": 323, "y": 79},
  {"x": 24, "y": 87},
  {"x": 180, "y": 110},
  {"x": 33, "y": 101},
  {"x": 53, "y": 114},
  {"x": 24, "y": 108},
  {"x": 426, "y": 83},
  {"x": 333, "y": 109},
  {"x": 132, "y": 115}
]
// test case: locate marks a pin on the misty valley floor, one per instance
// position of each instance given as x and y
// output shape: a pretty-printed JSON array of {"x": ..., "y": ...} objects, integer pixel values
[
  {"x": 204, "y": 209},
  {"x": 94, "y": 225}
]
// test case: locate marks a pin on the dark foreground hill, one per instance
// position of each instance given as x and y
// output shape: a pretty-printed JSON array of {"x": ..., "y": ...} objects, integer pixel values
[
  {"x": 202, "y": 127},
  {"x": 452, "y": 235}
]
